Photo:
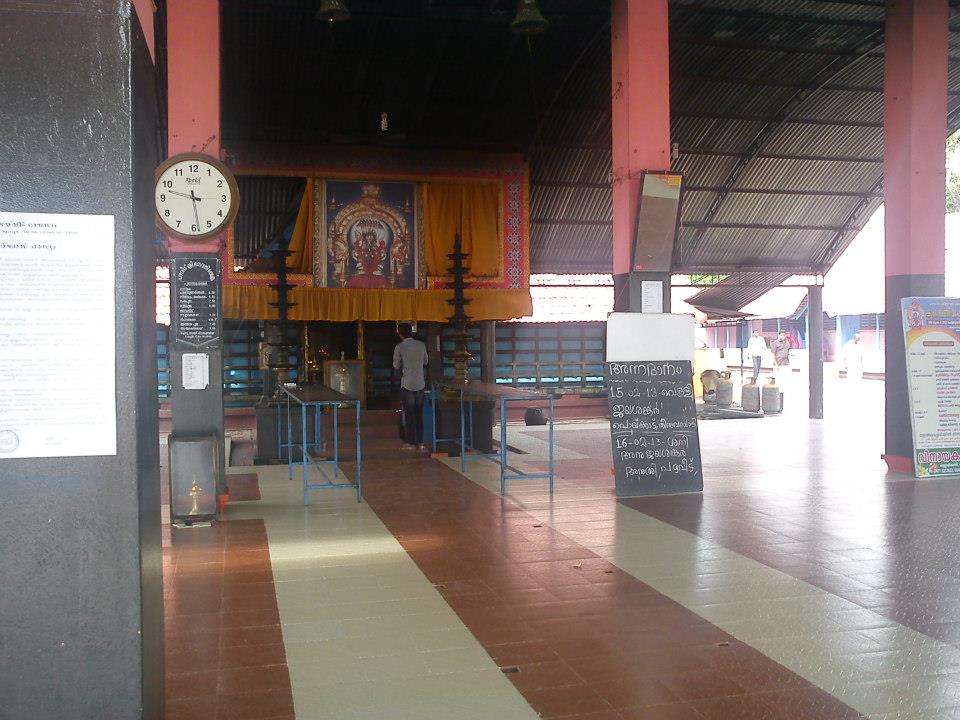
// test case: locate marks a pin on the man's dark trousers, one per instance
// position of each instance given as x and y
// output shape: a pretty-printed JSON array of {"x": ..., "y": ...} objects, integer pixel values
[
  {"x": 756, "y": 367},
  {"x": 412, "y": 401}
]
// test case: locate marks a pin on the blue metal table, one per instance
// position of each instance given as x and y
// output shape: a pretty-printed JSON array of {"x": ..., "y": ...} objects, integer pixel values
[
  {"x": 317, "y": 397},
  {"x": 474, "y": 390}
]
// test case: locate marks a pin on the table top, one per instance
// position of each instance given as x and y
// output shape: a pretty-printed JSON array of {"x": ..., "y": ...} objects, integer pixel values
[
  {"x": 493, "y": 391},
  {"x": 316, "y": 394}
]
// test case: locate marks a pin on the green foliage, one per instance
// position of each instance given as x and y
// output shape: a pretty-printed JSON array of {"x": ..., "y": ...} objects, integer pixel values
[{"x": 706, "y": 280}]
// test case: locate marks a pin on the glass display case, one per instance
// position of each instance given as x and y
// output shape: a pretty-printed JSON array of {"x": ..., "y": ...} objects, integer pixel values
[
  {"x": 348, "y": 377},
  {"x": 194, "y": 473}
]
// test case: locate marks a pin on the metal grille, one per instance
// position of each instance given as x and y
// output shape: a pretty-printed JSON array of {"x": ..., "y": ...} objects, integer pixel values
[
  {"x": 563, "y": 357},
  {"x": 263, "y": 203}
]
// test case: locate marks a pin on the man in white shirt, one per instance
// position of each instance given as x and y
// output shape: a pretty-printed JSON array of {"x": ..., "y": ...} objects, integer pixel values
[
  {"x": 410, "y": 357},
  {"x": 756, "y": 347},
  {"x": 853, "y": 358}
]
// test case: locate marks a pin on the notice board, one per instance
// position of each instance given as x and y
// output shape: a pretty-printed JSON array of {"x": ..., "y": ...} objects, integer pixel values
[
  {"x": 195, "y": 300},
  {"x": 653, "y": 427},
  {"x": 931, "y": 331}
]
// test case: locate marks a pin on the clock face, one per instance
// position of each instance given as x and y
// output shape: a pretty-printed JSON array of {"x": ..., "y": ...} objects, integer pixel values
[{"x": 195, "y": 198}]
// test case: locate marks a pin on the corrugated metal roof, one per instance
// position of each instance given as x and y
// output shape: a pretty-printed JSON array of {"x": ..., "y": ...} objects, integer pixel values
[
  {"x": 735, "y": 291},
  {"x": 777, "y": 110}
]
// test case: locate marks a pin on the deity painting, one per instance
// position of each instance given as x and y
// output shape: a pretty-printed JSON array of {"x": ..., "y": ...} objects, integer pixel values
[
  {"x": 371, "y": 235},
  {"x": 916, "y": 318}
]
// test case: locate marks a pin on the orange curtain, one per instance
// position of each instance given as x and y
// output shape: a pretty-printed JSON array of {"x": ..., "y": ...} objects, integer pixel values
[
  {"x": 474, "y": 211},
  {"x": 301, "y": 242},
  {"x": 252, "y": 302}
]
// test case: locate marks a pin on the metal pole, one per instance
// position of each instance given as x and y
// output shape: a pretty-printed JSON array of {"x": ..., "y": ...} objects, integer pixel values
[
  {"x": 463, "y": 442},
  {"x": 359, "y": 457},
  {"x": 503, "y": 445},
  {"x": 305, "y": 450},
  {"x": 551, "y": 444},
  {"x": 815, "y": 349}
]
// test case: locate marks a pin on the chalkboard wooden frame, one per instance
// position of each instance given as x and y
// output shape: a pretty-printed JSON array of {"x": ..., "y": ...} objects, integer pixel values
[{"x": 653, "y": 427}]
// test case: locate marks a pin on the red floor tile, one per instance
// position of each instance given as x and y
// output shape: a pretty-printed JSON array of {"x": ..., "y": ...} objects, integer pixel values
[{"x": 224, "y": 645}]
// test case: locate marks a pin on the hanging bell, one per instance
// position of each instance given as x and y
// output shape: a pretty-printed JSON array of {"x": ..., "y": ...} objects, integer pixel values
[
  {"x": 529, "y": 19},
  {"x": 333, "y": 11}
]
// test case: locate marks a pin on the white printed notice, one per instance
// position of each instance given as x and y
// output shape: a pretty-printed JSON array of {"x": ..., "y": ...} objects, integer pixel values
[
  {"x": 931, "y": 331},
  {"x": 57, "y": 364},
  {"x": 195, "y": 371}
]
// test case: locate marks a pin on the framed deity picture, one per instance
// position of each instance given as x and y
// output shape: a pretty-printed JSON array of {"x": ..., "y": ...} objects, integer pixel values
[{"x": 367, "y": 235}]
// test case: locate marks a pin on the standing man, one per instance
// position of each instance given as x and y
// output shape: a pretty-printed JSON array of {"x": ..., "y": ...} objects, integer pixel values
[
  {"x": 781, "y": 355},
  {"x": 853, "y": 358},
  {"x": 410, "y": 357},
  {"x": 756, "y": 347}
]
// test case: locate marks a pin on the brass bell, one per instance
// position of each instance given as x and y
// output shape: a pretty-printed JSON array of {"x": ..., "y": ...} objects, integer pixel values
[
  {"x": 529, "y": 19},
  {"x": 333, "y": 11}
]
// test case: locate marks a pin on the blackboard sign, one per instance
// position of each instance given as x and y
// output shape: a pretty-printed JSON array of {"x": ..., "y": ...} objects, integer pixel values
[
  {"x": 195, "y": 296},
  {"x": 653, "y": 426}
]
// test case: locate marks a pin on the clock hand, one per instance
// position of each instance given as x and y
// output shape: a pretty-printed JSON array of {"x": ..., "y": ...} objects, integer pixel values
[
  {"x": 195, "y": 200},
  {"x": 191, "y": 195}
]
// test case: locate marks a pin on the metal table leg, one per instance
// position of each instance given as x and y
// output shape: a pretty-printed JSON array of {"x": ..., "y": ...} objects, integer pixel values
[
  {"x": 503, "y": 445},
  {"x": 551, "y": 444},
  {"x": 359, "y": 458}
]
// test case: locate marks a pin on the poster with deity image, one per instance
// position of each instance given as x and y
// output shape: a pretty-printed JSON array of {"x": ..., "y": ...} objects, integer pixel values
[{"x": 368, "y": 236}]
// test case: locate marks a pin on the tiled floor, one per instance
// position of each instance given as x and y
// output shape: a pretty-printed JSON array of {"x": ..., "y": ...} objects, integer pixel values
[
  {"x": 802, "y": 584},
  {"x": 225, "y": 655}
]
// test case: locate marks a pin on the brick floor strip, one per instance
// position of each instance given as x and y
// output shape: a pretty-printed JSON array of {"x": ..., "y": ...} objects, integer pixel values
[
  {"x": 225, "y": 658},
  {"x": 591, "y": 641},
  {"x": 244, "y": 487}
]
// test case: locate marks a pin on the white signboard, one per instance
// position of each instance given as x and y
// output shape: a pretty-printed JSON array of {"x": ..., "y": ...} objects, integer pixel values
[
  {"x": 57, "y": 336},
  {"x": 649, "y": 336},
  {"x": 651, "y": 296},
  {"x": 931, "y": 330},
  {"x": 195, "y": 371}
]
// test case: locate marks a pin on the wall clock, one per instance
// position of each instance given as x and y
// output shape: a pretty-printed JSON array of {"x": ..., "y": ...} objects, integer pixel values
[{"x": 195, "y": 195}]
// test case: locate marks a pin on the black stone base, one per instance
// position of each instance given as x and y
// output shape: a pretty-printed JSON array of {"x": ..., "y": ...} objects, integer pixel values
[
  {"x": 448, "y": 425},
  {"x": 267, "y": 448}
]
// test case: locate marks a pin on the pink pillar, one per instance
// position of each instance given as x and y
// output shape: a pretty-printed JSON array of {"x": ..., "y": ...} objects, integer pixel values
[
  {"x": 193, "y": 87},
  {"x": 640, "y": 69},
  {"x": 915, "y": 130}
]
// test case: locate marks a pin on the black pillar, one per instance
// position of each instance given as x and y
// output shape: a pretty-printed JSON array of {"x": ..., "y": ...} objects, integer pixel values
[
  {"x": 81, "y": 600},
  {"x": 488, "y": 351},
  {"x": 628, "y": 291},
  {"x": 815, "y": 349},
  {"x": 197, "y": 411},
  {"x": 434, "y": 353}
]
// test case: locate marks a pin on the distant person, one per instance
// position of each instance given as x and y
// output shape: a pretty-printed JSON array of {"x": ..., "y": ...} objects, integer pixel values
[
  {"x": 781, "y": 355},
  {"x": 410, "y": 357},
  {"x": 756, "y": 347},
  {"x": 853, "y": 358}
]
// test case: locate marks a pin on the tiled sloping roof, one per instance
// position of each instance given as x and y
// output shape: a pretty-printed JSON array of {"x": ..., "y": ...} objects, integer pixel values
[{"x": 777, "y": 112}]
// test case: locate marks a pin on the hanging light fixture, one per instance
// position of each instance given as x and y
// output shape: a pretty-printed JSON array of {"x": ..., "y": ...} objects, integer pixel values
[
  {"x": 333, "y": 11},
  {"x": 529, "y": 20}
]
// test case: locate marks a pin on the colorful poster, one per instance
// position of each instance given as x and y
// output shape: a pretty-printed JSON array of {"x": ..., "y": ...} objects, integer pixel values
[
  {"x": 371, "y": 235},
  {"x": 931, "y": 330}
]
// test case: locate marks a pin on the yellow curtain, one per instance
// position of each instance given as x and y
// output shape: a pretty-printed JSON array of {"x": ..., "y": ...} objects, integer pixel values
[
  {"x": 252, "y": 302},
  {"x": 474, "y": 211},
  {"x": 301, "y": 242}
]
